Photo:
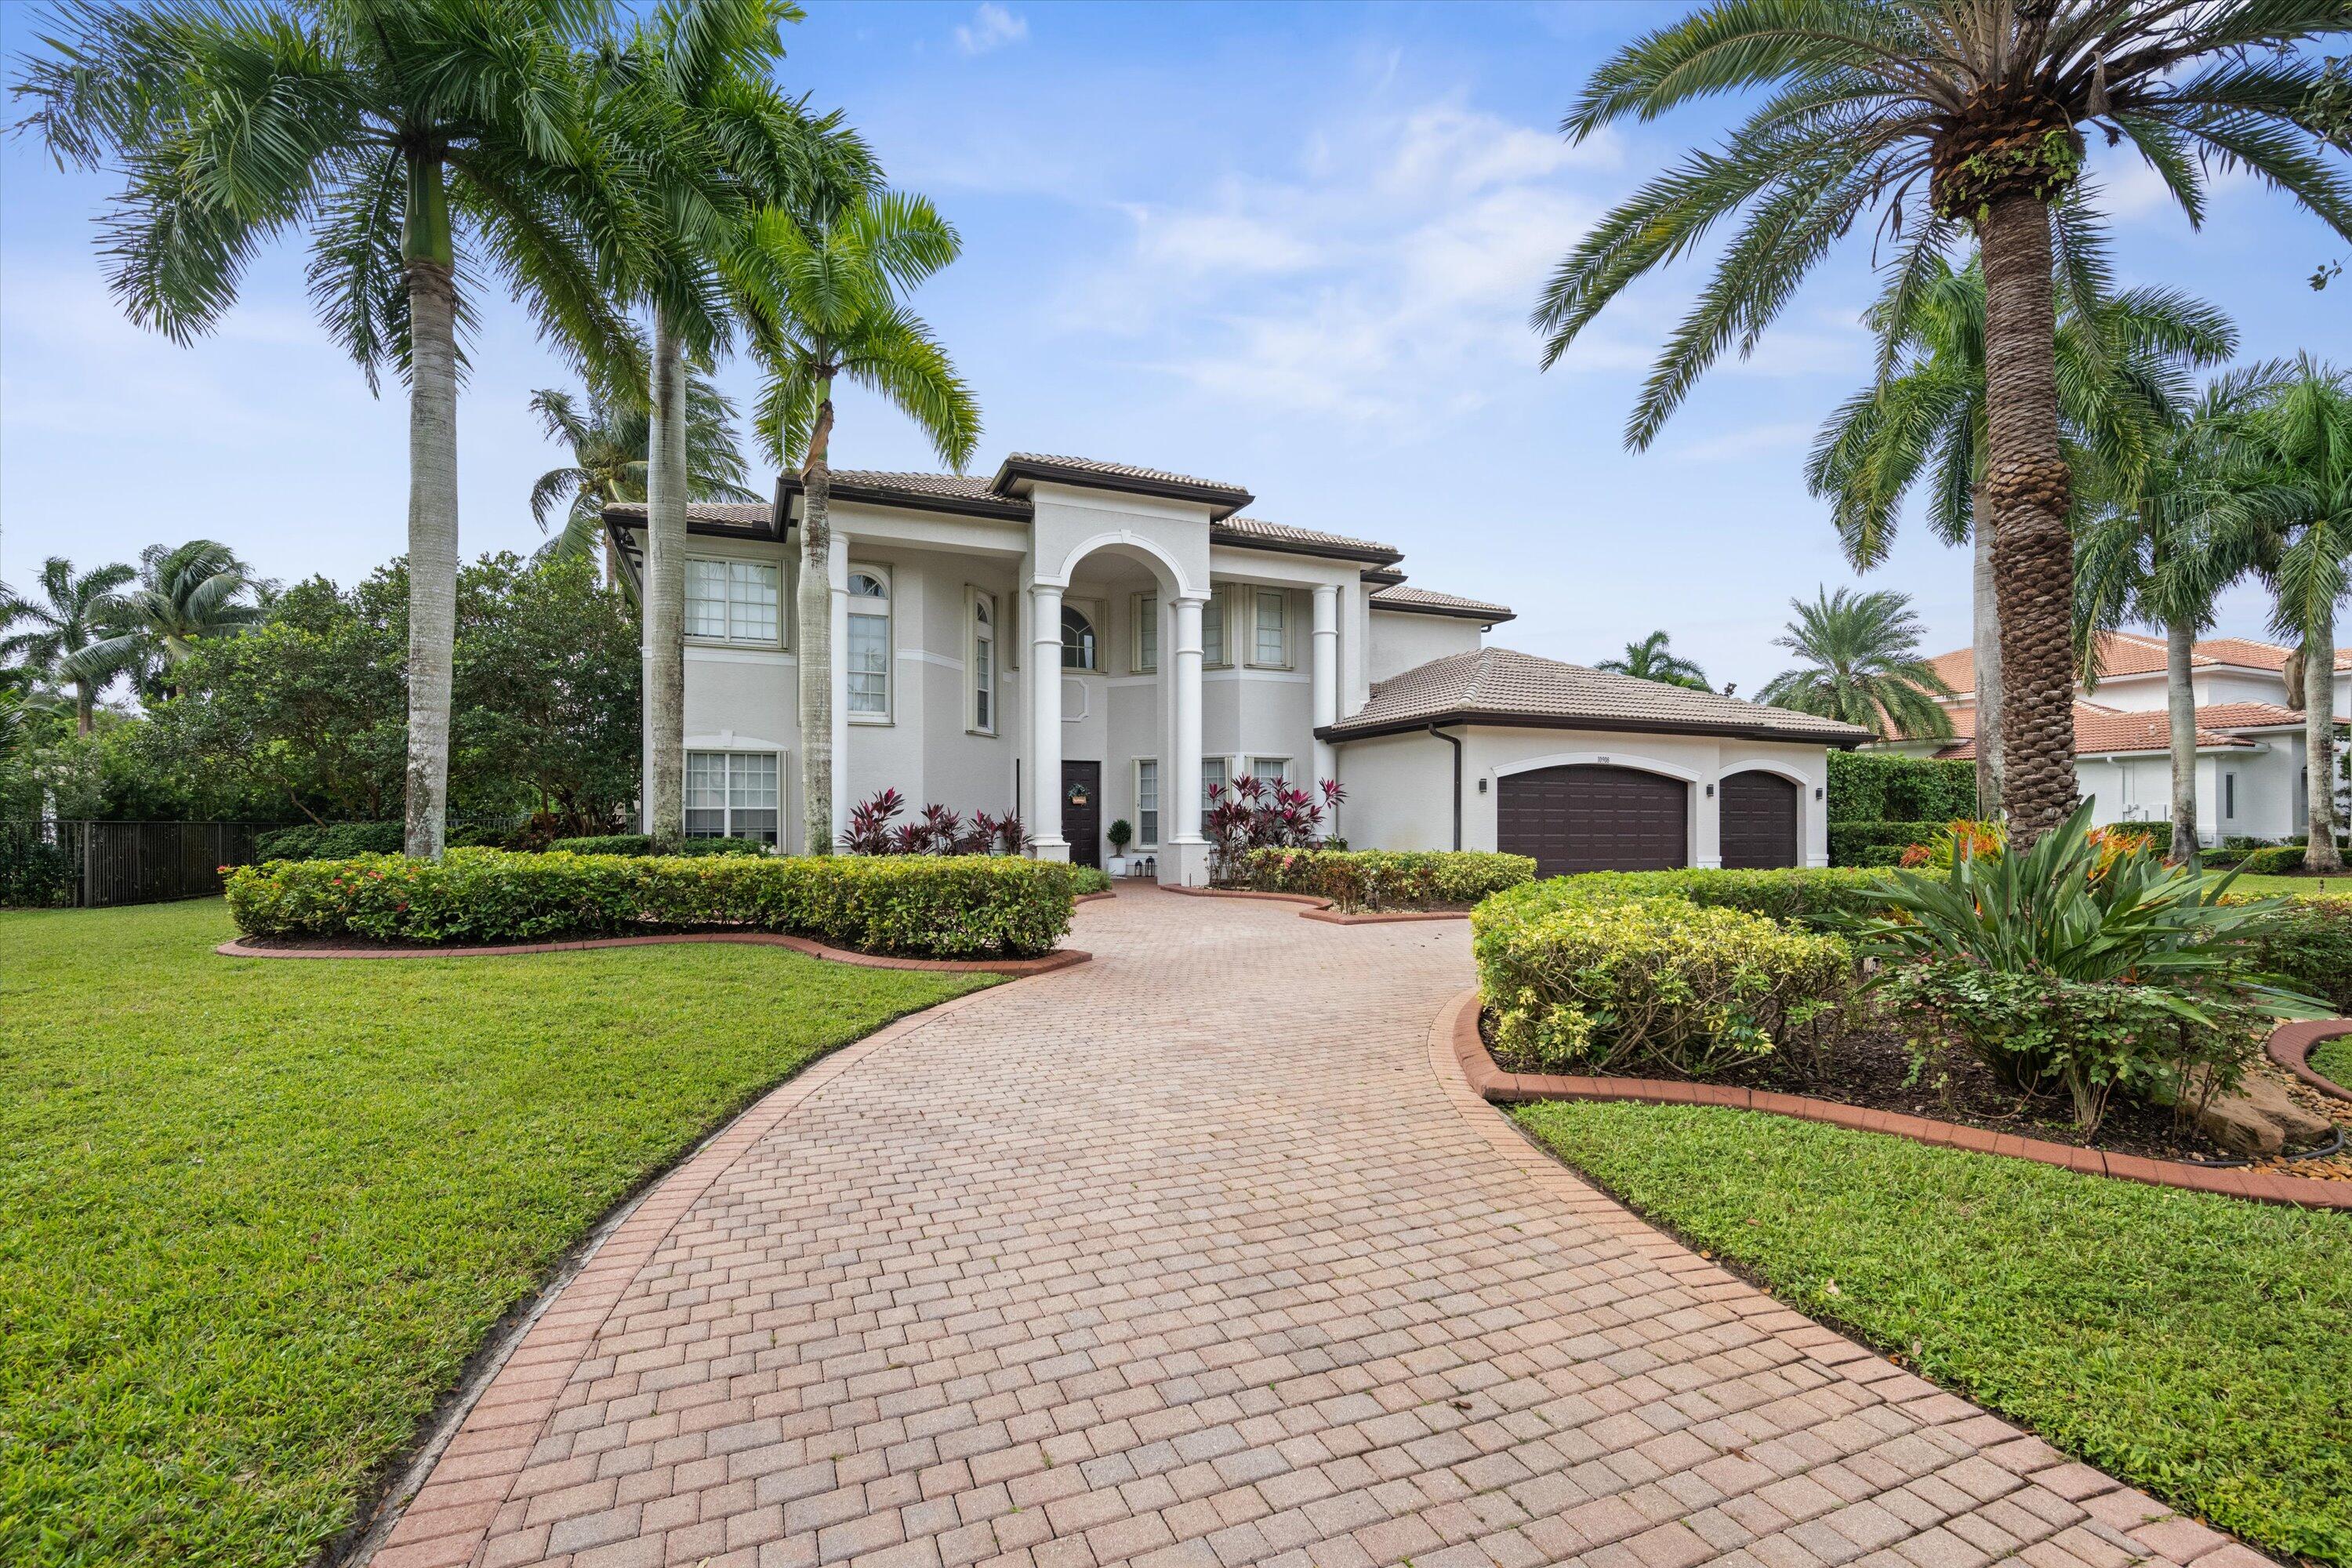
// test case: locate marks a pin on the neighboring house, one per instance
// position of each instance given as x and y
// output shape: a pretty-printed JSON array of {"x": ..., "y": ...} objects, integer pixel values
[
  {"x": 2248, "y": 734},
  {"x": 1088, "y": 641}
]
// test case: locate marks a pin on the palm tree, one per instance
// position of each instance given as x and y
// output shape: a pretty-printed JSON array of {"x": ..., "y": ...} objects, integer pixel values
[
  {"x": 404, "y": 138},
  {"x": 1862, "y": 664},
  {"x": 1984, "y": 101},
  {"x": 196, "y": 590},
  {"x": 2157, "y": 545},
  {"x": 65, "y": 630},
  {"x": 1926, "y": 414},
  {"x": 607, "y": 438},
  {"x": 1651, "y": 659},
  {"x": 822, "y": 298},
  {"x": 2296, "y": 487}
]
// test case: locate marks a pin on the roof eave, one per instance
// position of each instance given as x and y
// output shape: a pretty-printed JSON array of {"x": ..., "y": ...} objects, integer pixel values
[
  {"x": 1615, "y": 724},
  {"x": 1378, "y": 554},
  {"x": 1222, "y": 500},
  {"x": 1490, "y": 616},
  {"x": 998, "y": 508}
]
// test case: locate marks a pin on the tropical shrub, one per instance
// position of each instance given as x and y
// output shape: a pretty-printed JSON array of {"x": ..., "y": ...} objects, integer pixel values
[
  {"x": 937, "y": 831},
  {"x": 1386, "y": 878},
  {"x": 1814, "y": 897},
  {"x": 2276, "y": 860},
  {"x": 2306, "y": 942},
  {"x": 642, "y": 844},
  {"x": 1652, "y": 982},
  {"x": 940, "y": 907},
  {"x": 34, "y": 873},
  {"x": 1253, "y": 814},
  {"x": 328, "y": 841},
  {"x": 1876, "y": 786},
  {"x": 1084, "y": 880}
]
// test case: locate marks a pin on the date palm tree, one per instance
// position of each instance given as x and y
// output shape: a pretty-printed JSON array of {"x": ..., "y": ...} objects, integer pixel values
[
  {"x": 185, "y": 594},
  {"x": 2158, "y": 541},
  {"x": 1984, "y": 102},
  {"x": 608, "y": 437},
  {"x": 822, "y": 297},
  {"x": 1651, "y": 660},
  {"x": 1860, "y": 663},
  {"x": 63, "y": 633},
  {"x": 416, "y": 144},
  {"x": 2119, "y": 357}
]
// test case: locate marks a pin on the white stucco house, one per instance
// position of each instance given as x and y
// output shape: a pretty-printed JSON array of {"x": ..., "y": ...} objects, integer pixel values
[
  {"x": 2250, "y": 747},
  {"x": 1089, "y": 642}
]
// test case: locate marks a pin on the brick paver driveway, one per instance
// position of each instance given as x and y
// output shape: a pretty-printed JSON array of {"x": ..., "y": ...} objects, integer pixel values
[{"x": 1194, "y": 1257}]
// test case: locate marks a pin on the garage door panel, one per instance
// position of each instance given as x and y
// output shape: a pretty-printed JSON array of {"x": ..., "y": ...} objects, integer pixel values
[
  {"x": 1758, "y": 821},
  {"x": 1594, "y": 819}
]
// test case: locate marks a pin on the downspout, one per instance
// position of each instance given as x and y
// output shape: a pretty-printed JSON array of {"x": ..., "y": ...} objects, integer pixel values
[{"x": 1454, "y": 741}]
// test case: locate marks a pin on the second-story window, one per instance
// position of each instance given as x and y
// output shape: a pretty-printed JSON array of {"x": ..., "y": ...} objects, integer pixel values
[
  {"x": 1213, "y": 630},
  {"x": 1271, "y": 647},
  {"x": 1147, "y": 634},
  {"x": 1078, "y": 639},
  {"x": 983, "y": 663},
  {"x": 731, "y": 601},
  {"x": 867, "y": 657}
]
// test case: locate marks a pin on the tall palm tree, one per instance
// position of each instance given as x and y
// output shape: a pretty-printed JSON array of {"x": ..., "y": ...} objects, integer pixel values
[
  {"x": 63, "y": 633},
  {"x": 822, "y": 295},
  {"x": 2297, "y": 487},
  {"x": 1984, "y": 101},
  {"x": 185, "y": 594},
  {"x": 1926, "y": 415},
  {"x": 416, "y": 142},
  {"x": 607, "y": 438},
  {"x": 2158, "y": 543},
  {"x": 1651, "y": 660},
  {"x": 1861, "y": 664}
]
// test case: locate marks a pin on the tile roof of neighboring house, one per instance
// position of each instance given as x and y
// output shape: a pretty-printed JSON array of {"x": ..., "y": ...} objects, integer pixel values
[
  {"x": 1498, "y": 685},
  {"x": 2247, "y": 716},
  {"x": 2130, "y": 653},
  {"x": 2099, "y": 731},
  {"x": 1428, "y": 602}
]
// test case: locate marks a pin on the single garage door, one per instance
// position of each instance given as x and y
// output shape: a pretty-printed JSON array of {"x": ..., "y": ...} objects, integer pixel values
[
  {"x": 1759, "y": 820},
  {"x": 1594, "y": 819}
]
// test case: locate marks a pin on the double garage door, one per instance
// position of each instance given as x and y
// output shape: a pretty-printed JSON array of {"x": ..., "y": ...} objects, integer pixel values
[{"x": 1600, "y": 818}]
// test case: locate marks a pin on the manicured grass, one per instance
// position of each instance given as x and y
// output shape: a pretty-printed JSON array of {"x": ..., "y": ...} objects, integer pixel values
[
  {"x": 2197, "y": 1346},
  {"x": 2332, "y": 1059},
  {"x": 2271, "y": 886},
  {"x": 255, "y": 1215}
]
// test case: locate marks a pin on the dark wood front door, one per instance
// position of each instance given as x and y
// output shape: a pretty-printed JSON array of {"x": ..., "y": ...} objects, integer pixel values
[
  {"x": 1594, "y": 819},
  {"x": 1760, "y": 821},
  {"x": 1082, "y": 812}
]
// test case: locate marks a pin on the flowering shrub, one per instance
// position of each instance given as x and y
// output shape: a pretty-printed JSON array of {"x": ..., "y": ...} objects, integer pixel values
[
  {"x": 937, "y": 831},
  {"x": 947, "y": 907},
  {"x": 1386, "y": 878},
  {"x": 1251, "y": 814},
  {"x": 1959, "y": 837},
  {"x": 1599, "y": 987}
]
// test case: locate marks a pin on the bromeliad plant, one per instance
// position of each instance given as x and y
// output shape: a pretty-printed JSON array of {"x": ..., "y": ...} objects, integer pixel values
[{"x": 2082, "y": 963}]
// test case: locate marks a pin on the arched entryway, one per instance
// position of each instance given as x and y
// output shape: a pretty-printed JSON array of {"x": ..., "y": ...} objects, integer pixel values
[{"x": 1760, "y": 821}]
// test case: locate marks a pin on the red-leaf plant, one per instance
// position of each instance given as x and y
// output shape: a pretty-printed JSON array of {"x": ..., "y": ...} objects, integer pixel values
[
  {"x": 1253, "y": 814},
  {"x": 937, "y": 831}
]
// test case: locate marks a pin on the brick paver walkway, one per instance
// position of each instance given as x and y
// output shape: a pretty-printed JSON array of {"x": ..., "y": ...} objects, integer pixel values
[{"x": 1194, "y": 1256}]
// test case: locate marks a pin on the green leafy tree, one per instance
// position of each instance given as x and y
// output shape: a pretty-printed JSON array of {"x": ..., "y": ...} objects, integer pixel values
[
  {"x": 1860, "y": 663},
  {"x": 607, "y": 438},
  {"x": 414, "y": 142},
  {"x": 1651, "y": 660},
  {"x": 2120, "y": 359},
  {"x": 185, "y": 594},
  {"x": 63, "y": 632},
  {"x": 1985, "y": 105},
  {"x": 822, "y": 295}
]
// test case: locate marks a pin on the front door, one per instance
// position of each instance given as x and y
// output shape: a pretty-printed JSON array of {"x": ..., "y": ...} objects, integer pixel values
[{"x": 1082, "y": 812}]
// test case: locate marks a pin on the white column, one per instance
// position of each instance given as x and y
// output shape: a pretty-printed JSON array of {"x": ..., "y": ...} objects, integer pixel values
[
  {"x": 1185, "y": 860},
  {"x": 1327, "y": 677},
  {"x": 837, "y": 571},
  {"x": 1045, "y": 723}
]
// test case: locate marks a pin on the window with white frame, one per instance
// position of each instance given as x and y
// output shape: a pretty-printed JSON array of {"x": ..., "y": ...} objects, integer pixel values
[
  {"x": 1271, "y": 647},
  {"x": 867, "y": 658},
  {"x": 731, "y": 795},
  {"x": 1213, "y": 652},
  {"x": 1217, "y": 773},
  {"x": 983, "y": 662},
  {"x": 1147, "y": 634},
  {"x": 1147, "y": 803},
  {"x": 1078, "y": 650},
  {"x": 732, "y": 601},
  {"x": 1270, "y": 770}
]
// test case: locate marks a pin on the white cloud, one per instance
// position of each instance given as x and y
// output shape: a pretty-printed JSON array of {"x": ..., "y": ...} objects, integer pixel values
[{"x": 990, "y": 27}]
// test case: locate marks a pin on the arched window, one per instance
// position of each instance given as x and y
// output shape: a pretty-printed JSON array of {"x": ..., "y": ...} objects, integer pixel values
[
  {"x": 1078, "y": 639},
  {"x": 869, "y": 661}
]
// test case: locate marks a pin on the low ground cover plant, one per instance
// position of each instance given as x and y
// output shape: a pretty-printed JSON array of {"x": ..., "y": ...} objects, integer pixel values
[
  {"x": 1387, "y": 878},
  {"x": 931, "y": 907}
]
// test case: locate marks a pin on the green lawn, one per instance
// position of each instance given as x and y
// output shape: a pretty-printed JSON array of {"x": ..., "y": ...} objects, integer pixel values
[
  {"x": 2332, "y": 1059},
  {"x": 2199, "y": 1347},
  {"x": 2271, "y": 886},
  {"x": 255, "y": 1215}
]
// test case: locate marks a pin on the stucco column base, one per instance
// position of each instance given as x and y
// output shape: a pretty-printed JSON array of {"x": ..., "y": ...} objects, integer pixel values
[
  {"x": 1184, "y": 863},
  {"x": 1050, "y": 850}
]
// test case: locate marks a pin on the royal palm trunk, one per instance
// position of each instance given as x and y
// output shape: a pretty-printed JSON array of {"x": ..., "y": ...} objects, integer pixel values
[
  {"x": 2026, "y": 485},
  {"x": 2319, "y": 747},
  {"x": 2180, "y": 708},
  {"x": 665, "y": 606},
  {"x": 432, "y": 502},
  {"x": 1986, "y": 645},
  {"x": 813, "y": 604}
]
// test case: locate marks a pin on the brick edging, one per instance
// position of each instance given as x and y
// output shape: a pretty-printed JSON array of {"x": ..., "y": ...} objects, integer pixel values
[
  {"x": 2290, "y": 1046},
  {"x": 1481, "y": 1071},
  {"x": 1045, "y": 963},
  {"x": 1320, "y": 909}
]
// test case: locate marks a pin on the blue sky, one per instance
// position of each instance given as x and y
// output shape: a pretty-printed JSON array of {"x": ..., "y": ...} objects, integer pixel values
[{"x": 1289, "y": 246}]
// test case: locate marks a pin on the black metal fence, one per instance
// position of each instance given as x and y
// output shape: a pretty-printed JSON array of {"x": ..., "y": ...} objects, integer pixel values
[{"x": 53, "y": 863}]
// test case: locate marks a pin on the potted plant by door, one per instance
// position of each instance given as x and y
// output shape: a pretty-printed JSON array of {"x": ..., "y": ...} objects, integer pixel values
[{"x": 1120, "y": 837}]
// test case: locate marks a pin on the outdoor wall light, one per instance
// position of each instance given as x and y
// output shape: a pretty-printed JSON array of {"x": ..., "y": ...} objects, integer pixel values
[
  {"x": 1817, "y": 792},
  {"x": 1482, "y": 786},
  {"x": 1710, "y": 792}
]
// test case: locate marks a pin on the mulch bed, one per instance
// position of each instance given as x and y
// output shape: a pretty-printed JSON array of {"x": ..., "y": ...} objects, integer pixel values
[
  {"x": 365, "y": 947},
  {"x": 1871, "y": 1067}
]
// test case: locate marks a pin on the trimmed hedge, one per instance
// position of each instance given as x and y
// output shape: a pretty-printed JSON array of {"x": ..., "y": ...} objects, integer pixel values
[
  {"x": 1387, "y": 878},
  {"x": 923, "y": 906},
  {"x": 642, "y": 844},
  {"x": 1809, "y": 897},
  {"x": 333, "y": 841},
  {"x": 1877, "y": 786}
]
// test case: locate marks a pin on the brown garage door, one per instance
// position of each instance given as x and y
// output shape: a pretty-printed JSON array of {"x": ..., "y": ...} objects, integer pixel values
[
  {"x": 1759, "y": 820},
  {"x": 1594, "y": 819}
]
